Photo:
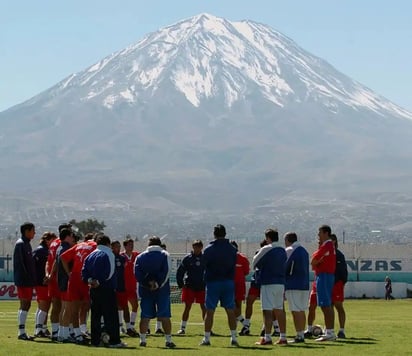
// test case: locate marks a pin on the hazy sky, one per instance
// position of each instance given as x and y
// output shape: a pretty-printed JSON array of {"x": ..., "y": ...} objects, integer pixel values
[{"x": 42, "y": 42}]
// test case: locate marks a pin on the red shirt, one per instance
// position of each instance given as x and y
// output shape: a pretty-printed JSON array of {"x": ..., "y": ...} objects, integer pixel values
[
  {"x": 242, "y": 268},
  {"x": 129, "y": 278},
  {"x": 327, "y": 255},
  {"x": 78, "y": 254},
  {"x": 52, "y": 254}
]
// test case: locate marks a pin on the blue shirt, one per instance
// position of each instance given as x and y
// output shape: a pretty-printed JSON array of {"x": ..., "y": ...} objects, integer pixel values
[
  {"x": 297, "y": 268},
  {"x": 270, "y": 260},
  {"x": 100, "y": 265},
  {"x": 219, "y": 259}
]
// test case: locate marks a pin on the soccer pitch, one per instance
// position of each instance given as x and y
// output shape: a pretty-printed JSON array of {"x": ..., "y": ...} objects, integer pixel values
[{"x": 376, "y": 327}]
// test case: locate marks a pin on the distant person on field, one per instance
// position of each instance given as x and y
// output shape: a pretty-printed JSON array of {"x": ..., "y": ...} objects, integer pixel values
[
  {"x": 24, "y": 275},
  {"x": 189, "y": 277},
  {"x": 297, "y": 283},
  {"x": 338, "y": 294},
  {"x": 388, "y": 288},
  {"x": 323, "y": 263},
  {"x": 219, "y": 259}
]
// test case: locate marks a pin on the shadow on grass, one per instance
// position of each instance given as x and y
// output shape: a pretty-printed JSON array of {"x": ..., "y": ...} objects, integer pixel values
[{"x": 358, "y": 341}]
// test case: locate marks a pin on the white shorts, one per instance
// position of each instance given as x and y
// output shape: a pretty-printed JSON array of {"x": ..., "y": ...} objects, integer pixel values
[
  {"x": 297, "y": 299},
  {"x": 271, "y": 296}
]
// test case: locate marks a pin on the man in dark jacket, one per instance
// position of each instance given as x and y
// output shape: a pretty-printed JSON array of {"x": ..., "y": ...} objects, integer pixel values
[
  {"x": 189, "y": 277},
  {"x": 24, "y": 275},
  {"x": 99, "y": 272},
  {"x": 219, "y": 259},
  {"x": 338, "y": 295}
]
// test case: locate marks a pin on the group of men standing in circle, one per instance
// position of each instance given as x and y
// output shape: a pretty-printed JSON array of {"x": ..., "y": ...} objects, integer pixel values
[{"x": 71, "y": 276}]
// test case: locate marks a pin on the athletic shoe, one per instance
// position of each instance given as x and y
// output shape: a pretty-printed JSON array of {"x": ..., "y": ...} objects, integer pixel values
[
  {"x": 275, "y": 333},
  {"x": 143, "y": 343},
  {"x": 25, "y": 337},
  {"x": 281, "y": 342},
  {"x": 120, "y": 345},
  {"x": 263, "y": 341},
  {"x": 181, "y": 332},
  {"x": 326, "y": 337},
  {"x": 170, "y": 344},
  {"x": 148, "y": 332},
  {"x": 341, "y": 335},
  {"x": 308, "y": 334},
  {"x": 297, "y": 340},
  {"x": 132, "y": 333},
  {"x": 262, "y": 332},
  {"x": 234, "y": 343},
  {"x": 79, "y": 340},
  {"x": 245, "y": 331},
  {"x": 46, "y": 332},
  {"x": 205, "y": 342},
  {"x": 40, "y": 334},
  {"x": 160, "y": 332}
]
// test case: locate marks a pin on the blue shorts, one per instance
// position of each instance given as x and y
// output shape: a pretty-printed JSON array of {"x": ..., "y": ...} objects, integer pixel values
[
  {"x": 324, "y": 286},
  {"x": 223, "y": 291},
  {"x": 155, "y": 304}
]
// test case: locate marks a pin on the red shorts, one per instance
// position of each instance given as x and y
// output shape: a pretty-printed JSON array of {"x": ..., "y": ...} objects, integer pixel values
[
  {"x": 77, "y": 290},
  {"x": 254, "y": 292},
  {"x": 337, "y": 292},
  {"x": 42, "y": 293},
  {"x": 121, "y": 299},
  {"x": 131, "y": 294},
  {"x": 190, "y": 296},
  {"x": 54, "y": 291},
  {"x": 240, "y": 292},
  {"x": 25, "y": 293},
  {"x": 64, "y": 296}
]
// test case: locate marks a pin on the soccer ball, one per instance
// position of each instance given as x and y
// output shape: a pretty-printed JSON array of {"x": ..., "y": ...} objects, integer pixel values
[
  {"x": 105, "y": 338},
  {"x": 317, "y": 330}
]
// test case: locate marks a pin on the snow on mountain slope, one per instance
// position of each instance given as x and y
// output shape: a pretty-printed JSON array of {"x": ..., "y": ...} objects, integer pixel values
[{"x": 205, "y": 57}]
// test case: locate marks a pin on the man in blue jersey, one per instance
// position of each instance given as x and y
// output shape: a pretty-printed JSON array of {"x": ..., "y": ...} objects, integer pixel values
[
  {"x": 189, "y": 277},
  {"x": 99, "y": 272},
  {"x": 152, "y": 270},
  {"x": 270, "y": 260},
  {"x": 24, "y": 275},
  {"x": 297, "y": 282},
  {"x": 219, "y": 259}
]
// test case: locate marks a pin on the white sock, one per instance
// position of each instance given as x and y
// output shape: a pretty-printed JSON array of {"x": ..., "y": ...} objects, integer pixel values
[
  {"x": 142, "y": 337},
  {"x": 22, "y": 317},
  {"x": 183, "y": 324},
  {"x": 268, "y": 337},
  {"x": 158, "y": 324},
  {"x": 207, "y": 335},
  {"x": 120, "y": 313},
  {"x": 310, "y": 328},
  {"x": 168, "y": 338},
  {"x": 246, "y": 322},
  {"x": 330, "y": 332},
  {"x": 128, "y": 325},
  {"x": 55, "y": 327},
  {"x": 233, "y": 334},
  {"x": 83, "y": 328},
  {"x": 282, "y": 336},
  {"x": 133, "y": 316}
]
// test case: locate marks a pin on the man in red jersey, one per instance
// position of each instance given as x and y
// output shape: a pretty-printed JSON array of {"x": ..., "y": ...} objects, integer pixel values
[
  {"x": 241, "y": 271},
  {"x": 53, "y": 289},
  {"x": 131, "y": 285},
  {"x": 77, "y": 290},
  {"x": 324, "y": 264}
]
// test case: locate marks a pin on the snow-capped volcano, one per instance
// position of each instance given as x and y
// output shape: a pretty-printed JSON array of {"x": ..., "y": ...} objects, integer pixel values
[
  {"x": 208, "y": 102},
  {"x": 205, "y": 57}
]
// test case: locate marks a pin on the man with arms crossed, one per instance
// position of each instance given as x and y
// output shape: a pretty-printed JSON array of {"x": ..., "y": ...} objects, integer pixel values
[{"x": 324, "y": 264}]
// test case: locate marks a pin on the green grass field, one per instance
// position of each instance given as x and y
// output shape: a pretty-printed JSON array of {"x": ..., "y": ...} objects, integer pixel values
[{"x": 374, "y": 327}]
